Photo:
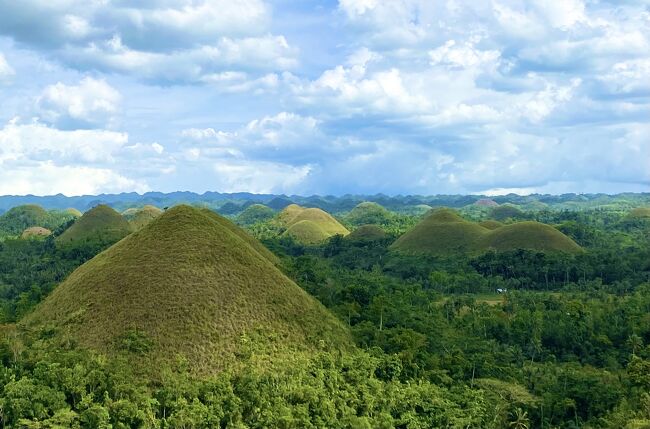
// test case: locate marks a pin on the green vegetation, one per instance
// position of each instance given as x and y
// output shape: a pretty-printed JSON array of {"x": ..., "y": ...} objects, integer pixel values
[
  {"x": 254, "y": 214},
  {"x": 367, "y": 233},
  {"x": 506, "y": 212},
  {"x": 445, "y": 232},
  {"x": 185, "y": 260},
  {"x": 639, "y": 213},
  {"x": 490, "y": 224},
  {"x": 368, "y": 213},
  {"x": 442, "y": 232},
  {"x": 309, "y": 225},
  {"x": 138, "y": 218},
  {"x": 35, "y": 232},
  {"x": 186, "y": 323},
  {"x": 18, "y": 219},
  {"x": 528, "y": 235},
  {"x": 100, "y": 224}
]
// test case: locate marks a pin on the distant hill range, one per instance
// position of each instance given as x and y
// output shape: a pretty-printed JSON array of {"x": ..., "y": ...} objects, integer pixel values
[{"x": 235, "y": 203}]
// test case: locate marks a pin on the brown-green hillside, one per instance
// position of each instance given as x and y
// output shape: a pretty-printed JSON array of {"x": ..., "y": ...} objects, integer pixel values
[
  {"x": 367, "y": 233},
  {"x": 186, "y": 285},
  {"x": 368, "y": 213},
  {"x": 639, "y": 213},
  {"x": 491, "y": 224},
  {"x": 19, "y": 218},
  {"x": 100, "y": 224},
  {"x": 505, "y": 212},
  {"x": 138, "y": 218},
  {"x": 255, "y": 213},
  {"x": 306, "y": 232},
  {"x": 72, "y": 212},
  {"x": 445, "y": 232},
  {"x": 35, "y": 232},
  {"x": 528, "y": 235}
]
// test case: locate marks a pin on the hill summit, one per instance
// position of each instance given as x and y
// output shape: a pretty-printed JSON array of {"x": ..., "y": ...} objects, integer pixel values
[
  {"x": 189, "y": 284},
  {"x": 446, "y": 232},
  {"x": 101, "y": 224},
  {"x": 309, "y": 225}
]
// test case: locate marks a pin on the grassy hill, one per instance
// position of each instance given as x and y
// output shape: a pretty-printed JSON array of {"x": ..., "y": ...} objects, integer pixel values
[
  {"x": 309, "y": 224},
  {"x": 491, "y": 224},
  {"x": 35, "y": 232},
  {"x": 528, "y": 235},
  {"x": 138, "y": 218},
  {"x": 100, "y": 224},
  {"x": 505, "y": 212},
  {"x": 73, "y": 212},
  {"x": 17, "y": 219},
  {"x": 367, "y": 233},
  {"x": 255, "y": 213},
  {"x": 368, "y": 213},
  {"x": 187, "y": 285},
  {"x": 445, "y": 232},
  {"x": 639, "y": 213}
]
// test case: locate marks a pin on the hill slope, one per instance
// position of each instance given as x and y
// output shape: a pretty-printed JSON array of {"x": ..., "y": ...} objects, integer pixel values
[
  {"x": 314, "y": 223},
  {"x": 367, "y": 233},
  {"x": 368, "y": 213},
  {"x": 187, "y": 285},
  {"x": 139, "y": 218},
  {"x": 255, "y": 213},
  {"x": 445, "y": 232},
  {"x": 17, "y": 219},
  {"x": 442, "y": 232},
  {"x": 100, "y": 224}
]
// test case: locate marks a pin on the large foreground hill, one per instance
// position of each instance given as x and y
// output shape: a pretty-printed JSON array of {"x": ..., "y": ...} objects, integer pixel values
[{"x": 188, "y": 284}]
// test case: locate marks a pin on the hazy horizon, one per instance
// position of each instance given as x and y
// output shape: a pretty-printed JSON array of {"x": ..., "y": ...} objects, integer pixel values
[{"x": 325, "y": 97}]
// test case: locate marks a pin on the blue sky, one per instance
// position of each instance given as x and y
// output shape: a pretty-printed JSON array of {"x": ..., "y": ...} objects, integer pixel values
[{"x": 324, "y": 96}]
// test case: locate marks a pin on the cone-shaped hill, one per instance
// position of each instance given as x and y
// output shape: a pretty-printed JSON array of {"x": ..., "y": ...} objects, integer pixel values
[
  {"x": 506, "y": 211},
  {"x": 186, "y": 285},
  {"x": 639, "y": 213},
  {"x": 528, "y": 235},
  {"x": 366, "y": 234},
  {"x": 101, "y": 224},
  {"x": 368, "y": 213},
  {"x": 311, "y": 225},
  {"x": 35, "y": 232},
  {"x": 255, "y": 213},
  {"x": 139, "y": 218},
  {"x": 491, "y": 224},
  {"x": 445, "y": 232},
  {"x": 19, "y": 218}
]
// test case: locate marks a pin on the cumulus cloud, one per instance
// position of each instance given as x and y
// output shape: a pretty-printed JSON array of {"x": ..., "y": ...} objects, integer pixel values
[
  {"x": 38, "y": 159},
  {"x": 92, "y": 103},
  {"x": 184, "y": 41}
]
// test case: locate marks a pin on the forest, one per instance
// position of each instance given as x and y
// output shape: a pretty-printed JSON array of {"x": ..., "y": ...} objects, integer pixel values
[{"x": 514, "y": 337}]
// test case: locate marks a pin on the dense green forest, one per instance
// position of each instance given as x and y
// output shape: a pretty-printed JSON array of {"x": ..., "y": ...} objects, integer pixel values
[{"x": 516, "y": 338}]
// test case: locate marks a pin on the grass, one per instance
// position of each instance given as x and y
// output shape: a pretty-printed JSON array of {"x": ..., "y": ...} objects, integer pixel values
[
  {"x": 101, "y": 223},
  {"x": 187, "y": 285},
  {"x": 19, "y": 218},
  {"x": 446, "y": 232},
  {"x": 368, "y": 213},
  {"x": 639, "y": 213},
  {"x": 138, "y": 218},
  {"x": 73, "y": 212},
  {"x": 505, "y": 212},
  {"x": 366, "y": 233},
  {"x": 491, "y": 224},
  {"x": 35, "y": 232},
  {"x": 255, "y": 213},
  {"x": 309, "y": 224}
]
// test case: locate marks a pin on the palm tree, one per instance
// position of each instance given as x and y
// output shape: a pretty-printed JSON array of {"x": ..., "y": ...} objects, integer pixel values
[{"x": 520, "y": 419}]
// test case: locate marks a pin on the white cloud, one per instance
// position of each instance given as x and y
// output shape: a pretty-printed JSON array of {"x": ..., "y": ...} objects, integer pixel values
[
  {"x": 258, "y": 176},
  {"x": 91, "y": 103},
  {"x": 6, "y": 71},
  {"x": 462, "y": 55}
]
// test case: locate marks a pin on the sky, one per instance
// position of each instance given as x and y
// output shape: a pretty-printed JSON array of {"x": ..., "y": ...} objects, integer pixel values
[{"x": 324, "y": 96}]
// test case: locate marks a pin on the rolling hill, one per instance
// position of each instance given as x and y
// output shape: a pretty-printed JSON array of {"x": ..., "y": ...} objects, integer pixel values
[
  {"x": 368, "y": 213},
  {"x": 17, "y": 219},
  {"x": 639, "y": 213},
  {"x": 101, "y": 224},
  {"x": 35, "y": 232},
  {"x": 445, "y": 232},
  {"x": 138, "y": 218},
  {"x": 367, "y": 233},
  {"x": 190, "y": 285},
  {"x": 491, "y": 224},
  {"x": 309, "y": 224},
  {"x": 255, "y": 213},
  {"x": 505, "y": 212}
]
